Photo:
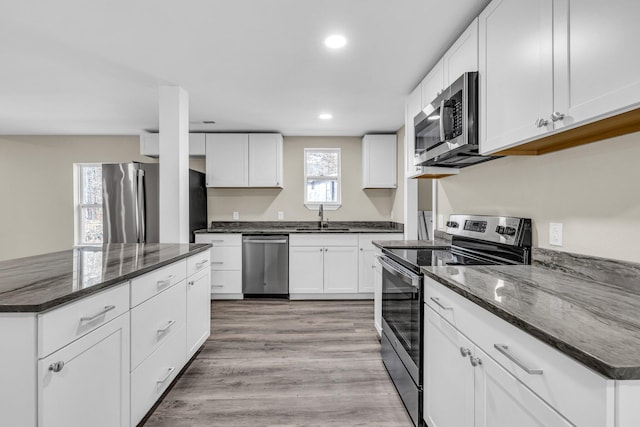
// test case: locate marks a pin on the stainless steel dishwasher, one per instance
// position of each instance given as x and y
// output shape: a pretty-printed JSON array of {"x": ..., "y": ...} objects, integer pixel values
[{"x": 265, "y": 265}]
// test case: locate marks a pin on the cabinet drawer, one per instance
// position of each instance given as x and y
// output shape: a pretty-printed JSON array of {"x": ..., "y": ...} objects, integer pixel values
[
  {"x": 60, "y": 326},
  {"x": 338, "y": 239},
  {"x": 219, "y": 239},
  {"x": 144, "y": 287},
  {"x": 364, "y": 240},
  {"x": 156, "y": 320},
  {"x": 198, "y": 262},
  {"x": 575, "y": 391},
  {"x": 226, "y": 282},
  {"x": 226, "y": 258},
  {"x": 153, "y": 376}
]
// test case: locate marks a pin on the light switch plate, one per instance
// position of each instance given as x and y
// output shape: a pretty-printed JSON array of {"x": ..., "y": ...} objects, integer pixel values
[
  {"x": 280, "y": 215},
  {"x": 236, "y": 215},
  {"x": 555, "y": 234}
]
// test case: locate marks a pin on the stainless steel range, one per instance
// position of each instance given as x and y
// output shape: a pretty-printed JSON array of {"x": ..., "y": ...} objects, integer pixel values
[{"x": 476, "y": 240}]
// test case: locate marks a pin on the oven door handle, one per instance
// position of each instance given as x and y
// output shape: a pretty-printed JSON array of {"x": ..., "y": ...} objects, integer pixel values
[{"x": 400, "y": 272}]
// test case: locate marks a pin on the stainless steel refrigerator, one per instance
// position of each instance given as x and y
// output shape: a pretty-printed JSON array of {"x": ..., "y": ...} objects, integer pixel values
[{"x": 131, "y": 202}]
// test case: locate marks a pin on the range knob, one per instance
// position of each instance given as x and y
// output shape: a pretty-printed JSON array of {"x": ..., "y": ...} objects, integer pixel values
[
  {"x": 452, "y": 224},
  {"x": 509, "y": 231},
  {"x": 500, "y": 229}
]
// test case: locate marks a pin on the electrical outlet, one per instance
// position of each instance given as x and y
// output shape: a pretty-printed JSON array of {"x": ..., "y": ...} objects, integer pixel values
[
  {"x": 236, "y": 215},
  {"x": 280, "y": 215},
  {"x": 440, "y": 221},
  {"x": 555, "y": 234}
]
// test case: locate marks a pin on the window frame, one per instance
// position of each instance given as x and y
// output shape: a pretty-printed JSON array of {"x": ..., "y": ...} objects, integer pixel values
[
  {"x": 78, "y": 185},
  {"x": 312, "y": 205}
]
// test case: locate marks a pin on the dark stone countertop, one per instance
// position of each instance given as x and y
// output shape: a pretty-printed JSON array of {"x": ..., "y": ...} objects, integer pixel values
[
  {"x": 41, "y": 282},
  {"x": 596, "y": 322},
  {"x": 437, "y": 243},
  {"x": 292, "y": 227}
]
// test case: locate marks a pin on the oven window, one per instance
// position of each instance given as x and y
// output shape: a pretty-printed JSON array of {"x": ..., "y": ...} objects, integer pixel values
[{"x": 401, "y": 311}]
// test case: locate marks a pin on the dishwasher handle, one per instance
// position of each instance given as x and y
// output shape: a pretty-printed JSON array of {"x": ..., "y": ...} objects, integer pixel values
[{"x": 280, "y": 242}]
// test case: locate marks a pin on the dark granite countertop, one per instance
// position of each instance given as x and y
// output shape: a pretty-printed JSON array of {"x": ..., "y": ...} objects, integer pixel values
[
  {"x": 290, "y": 227},
  {"x": 436, "y": 243},
  {"x": 596, "y": 322},
  {"x": 41, "y": 282}
]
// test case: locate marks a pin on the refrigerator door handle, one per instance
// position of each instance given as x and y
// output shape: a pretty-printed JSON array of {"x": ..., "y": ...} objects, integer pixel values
[{"x": 140, "y": 208}]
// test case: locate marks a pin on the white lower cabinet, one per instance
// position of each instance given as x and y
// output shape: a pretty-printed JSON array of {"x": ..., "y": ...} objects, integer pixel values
[
  {"x": 226, "y": 264},
  {"x": 86, "y": 383},
  {"x": 198, "y": 313},
  {"x": 341, "y": 269},
  {"x": 306, "y": 270}
]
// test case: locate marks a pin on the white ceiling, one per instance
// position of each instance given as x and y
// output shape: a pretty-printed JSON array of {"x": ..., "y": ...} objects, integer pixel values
[{"x": 81, "y": 67}]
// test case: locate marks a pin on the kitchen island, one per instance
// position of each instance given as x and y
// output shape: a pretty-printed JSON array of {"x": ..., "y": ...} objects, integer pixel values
[{"x": 95, "y": 335}]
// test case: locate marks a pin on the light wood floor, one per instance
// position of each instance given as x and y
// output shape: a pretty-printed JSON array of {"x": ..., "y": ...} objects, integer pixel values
[{"x": 286, "y": 363}]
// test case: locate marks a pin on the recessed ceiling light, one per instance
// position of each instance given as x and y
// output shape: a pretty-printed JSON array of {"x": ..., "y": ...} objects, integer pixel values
[
  {"x": 335, "y": 41},
  {"x": 325, "y": 116}
]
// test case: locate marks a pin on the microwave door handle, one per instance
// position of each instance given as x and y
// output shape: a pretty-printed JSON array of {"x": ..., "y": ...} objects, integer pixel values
[{"x": 442, "y": 135}]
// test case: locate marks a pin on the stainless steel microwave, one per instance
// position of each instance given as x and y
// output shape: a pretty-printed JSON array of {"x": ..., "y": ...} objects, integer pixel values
[{"x": 446, "y": 131}]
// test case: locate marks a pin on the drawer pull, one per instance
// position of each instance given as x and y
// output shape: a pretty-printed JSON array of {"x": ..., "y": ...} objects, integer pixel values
[
  {"x": 439, "y": 304},
  {"x": 217, "y": 241},
  {"x": 57, "y": 366},
  {"x": 475, "y": 361},
  {"x": 191, "y": 283},
  {"x": 201, "y": 264},
  {"x": 217, "y": 262},
  {"x": 464, "y": 352},
  {"x": 217, "y": 286},
  {"x": 166, "y": 328},
  {"x": 166, "y": 377},
  {"x": 100, "y": 313},
  {"x": 164, "y": 283},
  {"x": 505, "y": 350}
]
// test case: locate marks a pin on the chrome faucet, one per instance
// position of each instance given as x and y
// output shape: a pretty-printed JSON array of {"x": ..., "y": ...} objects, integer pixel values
[{"x": 321, "y": 215}]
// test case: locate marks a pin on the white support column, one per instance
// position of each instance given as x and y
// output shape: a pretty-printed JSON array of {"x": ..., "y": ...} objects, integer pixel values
[{"x": 174, "y": 164}]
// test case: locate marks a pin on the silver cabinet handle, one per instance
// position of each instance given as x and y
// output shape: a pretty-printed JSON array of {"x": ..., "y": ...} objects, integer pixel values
[
  {"x": 201, "y": 264},
  {"x": 164, "y": 283},
  {"x": 100, "y": 313},
  {"x": 191, "y": 283},
  {"x": 542, "y": 123},
  {"x": 166, "y": 328},
  {"x": 557, "y": 116},
  {"x": 57, "y": 366},
  {"x": 439, "y": 304},
  {"x": 217, "y": 241},
  {"x": 475, "y": 361},
  {"x": 464, "y": 352},
  {"x": 166, "y": 377},
  {"x": 217, "y": 262},
  {"x": 217, "y": 286},
  {"x": 505, "y": 350}
]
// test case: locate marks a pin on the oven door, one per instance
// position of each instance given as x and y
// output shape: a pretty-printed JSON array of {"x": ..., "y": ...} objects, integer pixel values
[{"x": 401, "y": 313}]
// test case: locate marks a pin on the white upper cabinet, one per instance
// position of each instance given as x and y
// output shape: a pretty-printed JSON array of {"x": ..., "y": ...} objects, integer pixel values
[
  {"x": 515, "y": 72},
  {"x": 244, "y": 160},
  {"x": 379, "y": 162},
  {"x": 227, "y": 160},
  {"x": 433, "y": 84},
  {"x": 265, "y": 160},
  {"x": 412, "y": 109},
  {"x": 597, "y": 69},
  {"x": 462, "y": 57},
  {"x": 150, "y": 144}
]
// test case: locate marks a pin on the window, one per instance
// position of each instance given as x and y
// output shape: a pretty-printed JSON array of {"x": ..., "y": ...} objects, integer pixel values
[
  {"x": 88, "y": 213},
  {"x": 322, "y": 177}
]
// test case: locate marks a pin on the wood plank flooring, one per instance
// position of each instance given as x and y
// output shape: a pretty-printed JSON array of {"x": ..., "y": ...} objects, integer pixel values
[{"x": 286, "y": 363}]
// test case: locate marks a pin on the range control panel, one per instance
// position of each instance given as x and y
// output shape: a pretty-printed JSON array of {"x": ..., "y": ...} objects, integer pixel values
[{"x": 499, "y": 229}]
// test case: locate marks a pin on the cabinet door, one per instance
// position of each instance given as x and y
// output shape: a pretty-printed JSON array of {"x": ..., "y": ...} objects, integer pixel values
[
  {"x": 226, "y": 162},
  {"x": 412, "y": 108},
  {"x": 91, "y": 388},
  {"x": 503, "y": 401},
  {"x": 596, "y": 72},
  {"x": 379, "y": 161},
  {"x": 462, "y": 57},
  {"x": 340, "y": 269},
  {"x": 377, "y": 294},
  {"x": 265, "y": 160},
  {"x": 515, "y": 72},
  {"x": 433, "y": 84},
  {"x": 306, "y": 273},
  {"x": 448, "y": 374},
  {"x": 366, "y": 278},
  {"x": 198, "y": 310}
]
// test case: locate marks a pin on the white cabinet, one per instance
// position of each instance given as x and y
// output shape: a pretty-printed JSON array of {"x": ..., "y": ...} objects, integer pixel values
[
  {"x": 150, "y": 144},
  {"x": 596, "y": 73},
  {"x": 227, "y": 160},
  {"x": 226, "y": 264},
  {"x": 516, "y": 72},
  {"x": 462, "y": 56},
  {"x": 412, "y": 109},
  {"x": 323, "y": 264},
  {"x": 432, "y": 85},
  {"x": 368, "y": 260},
  {"x": 379, "y": 164},
  {"x": 198, "y": 310},
  {"x": 86, "y": 383},
  {"x": 265, "y": 160},
  {"x": 244, "y": 160}
]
